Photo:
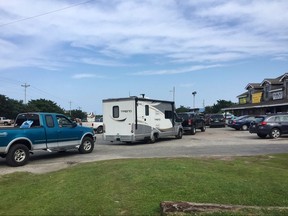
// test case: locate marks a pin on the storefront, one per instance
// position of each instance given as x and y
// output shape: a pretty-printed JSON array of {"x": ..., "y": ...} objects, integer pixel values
[{"x": 269, "y": 96}]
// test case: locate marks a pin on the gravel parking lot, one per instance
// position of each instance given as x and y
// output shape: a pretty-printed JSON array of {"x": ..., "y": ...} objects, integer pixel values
[{"x": 216, "y": 142}]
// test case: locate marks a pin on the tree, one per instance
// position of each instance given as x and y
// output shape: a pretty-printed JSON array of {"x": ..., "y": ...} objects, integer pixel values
[
  {"x": 182, "y": 109},
  {"x": 78, "y": 114},
  {"x": 43, "y": 105},
  {"x": 216, "y": 108},
  {"x": 10, "y": 108}
]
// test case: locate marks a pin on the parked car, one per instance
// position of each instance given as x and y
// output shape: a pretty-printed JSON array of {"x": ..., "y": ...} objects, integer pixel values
[
  {"x": 273, "y": 125},
  {"x": 217, "y": 120},
  {"x": 192, "y": 121},
  {"x": 244, "y": 122}
]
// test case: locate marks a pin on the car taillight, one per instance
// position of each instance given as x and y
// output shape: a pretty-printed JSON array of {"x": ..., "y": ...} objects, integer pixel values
[
  {"x": 190, "y": 122},
  {"x": 263, "y": 123}
]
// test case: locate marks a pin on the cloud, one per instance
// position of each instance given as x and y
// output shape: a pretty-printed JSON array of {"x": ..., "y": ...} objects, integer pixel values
[
  {"x": 86, "y": 76},
  {"x": 176, "y": 71},
  {"x": 118, "y": 31}
]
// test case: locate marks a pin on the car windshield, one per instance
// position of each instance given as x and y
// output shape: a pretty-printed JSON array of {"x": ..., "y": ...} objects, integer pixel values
[
  {"x": 259, "y": 118},
  {"x": 216, "y": 116},
  {"x": 185, "y": 116}
]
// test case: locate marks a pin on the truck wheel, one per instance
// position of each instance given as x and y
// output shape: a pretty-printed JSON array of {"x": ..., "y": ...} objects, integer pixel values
[
  {"x": 18, "y": 155},
  {"x": 86, "y": 146},
  {"x": 5, "y": 123},
  {"x": 193, "y": 131},
  {"x": 203, "y": 128},
  {"x": 180, "y": 134},
  {"x": 100, "y": 129}
]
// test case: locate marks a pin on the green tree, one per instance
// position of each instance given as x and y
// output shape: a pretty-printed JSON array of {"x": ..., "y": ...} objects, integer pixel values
[
  {"x": 43, "y": 105},
  {"x": 182, "y": 109},
  {"x": 216, "y": 108},
  {"x": 9, "y": 108},
  {"x": 77, "y": 114}
]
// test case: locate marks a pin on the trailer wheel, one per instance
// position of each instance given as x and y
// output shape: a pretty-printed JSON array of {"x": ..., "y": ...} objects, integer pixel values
[
  {"x": 180, "y": 134},
  {"x": 18, "y": 155},
  {"x": 86, "y": 146},
  {"x": 153, "y": 138}
]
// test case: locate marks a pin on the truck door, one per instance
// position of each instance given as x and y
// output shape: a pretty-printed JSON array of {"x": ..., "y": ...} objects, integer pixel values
[
  {"x": 51, "y": 132},
  {"x": 67, "y": 134}
]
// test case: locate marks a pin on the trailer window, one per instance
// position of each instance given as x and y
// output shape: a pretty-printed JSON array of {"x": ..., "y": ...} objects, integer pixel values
[
  {"x": 147, "y": 110},
  {"x": 115, "y": 112},
  {"x": 168, "y": 114}
]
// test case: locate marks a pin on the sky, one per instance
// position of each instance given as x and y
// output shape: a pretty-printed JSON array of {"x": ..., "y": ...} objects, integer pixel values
[{"x": 77, "y": 53}]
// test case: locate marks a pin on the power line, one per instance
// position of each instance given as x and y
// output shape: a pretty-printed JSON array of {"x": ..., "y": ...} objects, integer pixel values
[
  {"x": 43, "y": 92},
  {"x": 44, "y": 14}
]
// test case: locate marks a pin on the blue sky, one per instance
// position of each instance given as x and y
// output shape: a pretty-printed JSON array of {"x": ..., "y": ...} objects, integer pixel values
[{"x": 78, "y": 53}]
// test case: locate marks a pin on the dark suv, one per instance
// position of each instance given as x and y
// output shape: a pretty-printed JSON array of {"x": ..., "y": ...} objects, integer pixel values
[
  {"x": 273, "y": 125},
  {"x": 192, "y": 121}
]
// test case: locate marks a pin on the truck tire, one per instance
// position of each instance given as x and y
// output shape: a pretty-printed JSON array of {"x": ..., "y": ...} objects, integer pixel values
[
  {"x": 86, "y": 146},
  {"x": 18, "y": 155},
  {"x": 203, "y": 128},
  {"x": 100, "y": 130},
  {"x": 193, "y": 130},
  {"x": 180, "y": 134}
]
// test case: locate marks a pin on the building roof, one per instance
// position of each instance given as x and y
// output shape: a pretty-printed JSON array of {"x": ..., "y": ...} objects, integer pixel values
[
  {"x": 254, "y": 86},
  {"x": 245, "y": 94},
  {"x": 275, "y": 81},
  {"x": 283, "y": 77},
  {"x": 283, "y": 102}
]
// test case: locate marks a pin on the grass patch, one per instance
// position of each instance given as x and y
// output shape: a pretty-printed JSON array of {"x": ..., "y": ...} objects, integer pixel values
[{"x": 137, "y": 186}]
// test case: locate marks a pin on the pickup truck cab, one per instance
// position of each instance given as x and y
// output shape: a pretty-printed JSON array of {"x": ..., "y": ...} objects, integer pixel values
[{"x": 43, "y": 131}]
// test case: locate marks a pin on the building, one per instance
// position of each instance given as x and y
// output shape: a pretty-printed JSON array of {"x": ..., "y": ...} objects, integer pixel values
[{"x": 269, "y": 96}]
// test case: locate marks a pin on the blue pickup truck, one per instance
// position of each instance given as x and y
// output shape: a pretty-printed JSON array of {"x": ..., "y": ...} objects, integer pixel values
[{"x": 43, "y": 131}]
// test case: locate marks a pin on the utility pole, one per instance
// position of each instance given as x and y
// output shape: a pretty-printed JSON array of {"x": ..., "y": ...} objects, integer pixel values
[
  {"x": 70, "y": 102},
  {"x": 25, "y": 88},
  {"x": 173, "y": 93}
]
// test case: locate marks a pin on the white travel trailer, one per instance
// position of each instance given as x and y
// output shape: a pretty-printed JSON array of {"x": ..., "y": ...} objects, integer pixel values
[{"x": 136, "y": 119}]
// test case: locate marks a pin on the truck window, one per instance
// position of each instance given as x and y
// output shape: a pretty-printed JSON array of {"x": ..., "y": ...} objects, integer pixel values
[
  {"x": 147, "y": 110},
  {"x": 31, "y": 119},
  {"x": 115, "y": 111},
  {"x": 49, "y": 121},
  {"x": 168, "y": 114},
  {"x": 63, "y": 121}
]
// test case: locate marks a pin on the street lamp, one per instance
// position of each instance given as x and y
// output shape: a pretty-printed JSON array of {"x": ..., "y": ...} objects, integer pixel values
[{"x": 194, "y": 93}]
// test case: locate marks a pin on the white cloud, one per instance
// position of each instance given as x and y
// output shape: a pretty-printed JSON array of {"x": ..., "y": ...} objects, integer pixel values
[
  {"x": 176, "y": 71},
  {"x": 173, "y": 31},
  {"x": 86, "y": 76}
]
